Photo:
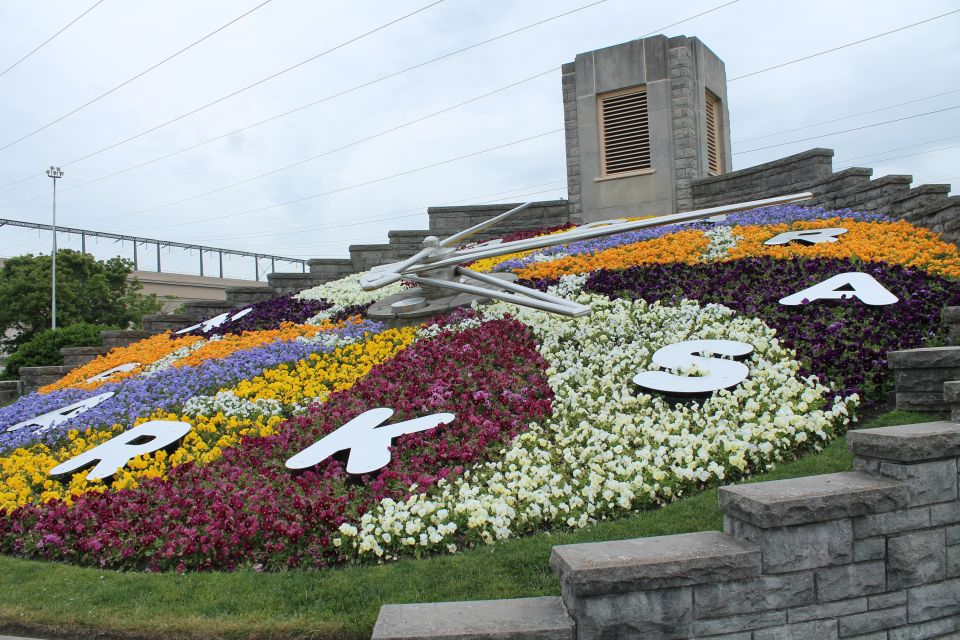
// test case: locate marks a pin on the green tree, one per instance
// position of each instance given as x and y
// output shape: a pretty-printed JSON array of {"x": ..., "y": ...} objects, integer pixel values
[{"x": 88, "y": 291}]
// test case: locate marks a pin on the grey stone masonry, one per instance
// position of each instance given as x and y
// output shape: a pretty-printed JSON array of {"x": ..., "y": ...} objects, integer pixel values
[
  {"x": 799, "y": 172},
  {"x": 9, "y": 390},
  {"x": 446, "y": 221},
  {"x": 872, "y": 554},
  {"x": 951, "y": 318},
  {"x": 928, "y": 205},
  {"x": 951, "y": 393},
  {"x": 243, "y": 296},
  {"x": 919, "y": 376},
  {"x": 75, "y": 356},
  {"x": 159, "y": 323},
  {"x": 32, "y": 378},
  {"x": 284, "y": 283},
  {"x": 533, "y": 618},
  {"x": 123, "y": 337},
  {"x": 202, "y": 309}
]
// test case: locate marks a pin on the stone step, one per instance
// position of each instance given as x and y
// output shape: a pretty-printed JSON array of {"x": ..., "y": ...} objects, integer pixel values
[
  {"x": 337, "y": 267},
  {"x": 9, "y": 390},
  {"x": 158, "y": 323},
  {"x": 907, "y": 442},
  {"x": 203, "y": 309},
  {"x": 284, "y": 283},
  {"x": 877, "y": 194},
  {"x": 902, "y": 205},
  {"x": 123, "y": 337},
  {"x": 782, "y": 503},
  {"x": 919, "y": 375},
  {"x": 32, "y": 378},
  {"x": 76, "y": 356},
  {"x": 521, "y": 619},
  {"x": 245, "y": 296},
  {"x": 596, "y": 568}
]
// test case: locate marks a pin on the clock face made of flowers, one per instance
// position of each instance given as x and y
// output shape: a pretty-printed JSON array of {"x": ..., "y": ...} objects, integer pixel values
[{"x": 257, "y": 440}]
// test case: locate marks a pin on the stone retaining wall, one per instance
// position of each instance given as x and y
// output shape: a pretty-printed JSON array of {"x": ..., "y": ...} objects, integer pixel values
[
  {"x": 927, "y": 205},
  {"x": 871, "y": 554},
  {"x": 32, "y": 378}
]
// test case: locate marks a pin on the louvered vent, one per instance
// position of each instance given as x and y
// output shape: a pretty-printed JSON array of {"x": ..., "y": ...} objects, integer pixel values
[
  {"x": 714, "y": 154},
  {"x": 625, "y": 132}
]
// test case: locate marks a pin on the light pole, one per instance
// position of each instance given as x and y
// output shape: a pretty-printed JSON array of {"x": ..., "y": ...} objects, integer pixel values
[{"x": 54, "y": 172}]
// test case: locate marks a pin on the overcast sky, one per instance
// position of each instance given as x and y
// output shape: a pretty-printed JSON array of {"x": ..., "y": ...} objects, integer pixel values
[{"x": 117, "y": 40}]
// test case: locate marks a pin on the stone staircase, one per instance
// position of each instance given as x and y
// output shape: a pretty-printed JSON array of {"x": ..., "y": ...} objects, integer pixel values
[
  {"x": 866, "y": 555},
  {"x": 929, "y": 379}
]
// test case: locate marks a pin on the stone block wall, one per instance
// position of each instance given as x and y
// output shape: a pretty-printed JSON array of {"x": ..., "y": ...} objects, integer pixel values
[
  {"x": 871, "y": 554},
  {"x": 928, "y": 205},
  {"x": 445, "y": 221},
  {"x": 32, "y": 378}
]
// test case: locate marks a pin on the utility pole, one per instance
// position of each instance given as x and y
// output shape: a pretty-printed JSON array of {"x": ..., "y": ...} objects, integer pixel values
[{"x": 54, "y": 172}]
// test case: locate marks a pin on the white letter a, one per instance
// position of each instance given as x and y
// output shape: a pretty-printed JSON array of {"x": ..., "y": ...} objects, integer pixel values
[{"x": 850, "y": 285}]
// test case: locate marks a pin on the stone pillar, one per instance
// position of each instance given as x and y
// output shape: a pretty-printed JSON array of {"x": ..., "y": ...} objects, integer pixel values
[{"x": 676, "y": 73}]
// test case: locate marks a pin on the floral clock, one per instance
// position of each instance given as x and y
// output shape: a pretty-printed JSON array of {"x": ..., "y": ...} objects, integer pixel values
[{"x": 300, "y": 433}]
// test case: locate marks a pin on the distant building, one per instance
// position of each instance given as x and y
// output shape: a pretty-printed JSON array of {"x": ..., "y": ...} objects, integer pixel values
[{"x": 643, "y": 119}]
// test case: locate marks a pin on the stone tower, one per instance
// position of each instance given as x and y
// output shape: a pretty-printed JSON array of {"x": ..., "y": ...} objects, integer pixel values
[{"x": 643, "y": 119}]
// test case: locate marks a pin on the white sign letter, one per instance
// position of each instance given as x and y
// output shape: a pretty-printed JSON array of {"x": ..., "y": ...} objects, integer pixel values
[
  {"x": 130, "y": 366},
  {"x": 369, "y": 443},
  {"x": 52, "y": 419},
  {"x": 845, "y": 285},
  {"x": 718, "y": 373},
  {"x": 109, "y": 457},
  {"x": 810, "y": 236},
  {"x": 215, "y": 321}
]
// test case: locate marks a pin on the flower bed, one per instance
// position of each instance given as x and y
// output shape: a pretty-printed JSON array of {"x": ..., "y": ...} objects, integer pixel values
[{"x": 549, "y": 429}]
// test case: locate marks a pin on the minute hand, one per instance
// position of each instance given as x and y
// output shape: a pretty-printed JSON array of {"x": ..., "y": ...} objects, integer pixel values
[{"x": 597, "y": 232}]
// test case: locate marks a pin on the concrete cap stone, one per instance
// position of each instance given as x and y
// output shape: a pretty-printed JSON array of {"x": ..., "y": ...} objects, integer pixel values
[
  {"x": 535, "y": 618},
  {"x": 924, "y": 358},
  {"x": 652, "y": 563},
  {"x": 907, "y": 442},
  {"x": 782, "y": 503},
  {"x": 83, "y": 351},
  {"x": 126, "y": 333}
]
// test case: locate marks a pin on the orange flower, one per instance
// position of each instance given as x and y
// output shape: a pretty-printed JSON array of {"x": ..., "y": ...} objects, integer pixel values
[
  {"x": 231, "y": 342},
  {"x": 682, "y": 246},
  {"x": 892, "y": 242},
  {"x": 145, "y": 352}
]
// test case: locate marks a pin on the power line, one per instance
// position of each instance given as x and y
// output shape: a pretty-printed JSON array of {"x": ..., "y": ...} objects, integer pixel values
[
  {"x": 129, "y": 80},
  {"x": 379, "y": 217},
  {"x": 361, "y": 184},
  {"x": 843, "y": 46},
  {"x": 833, "y": 133},
  {"x": 240, "y": 130},
  {"x": 316, "y": 102},
  {"x": 852, "y": 115},
  {"x": 679, "y": 22},
  {"x": 241, "y": 90},
  {"x": 325, "y": 153},
  {"x": 45, "y": 42},
  {"x": 919, "y": 153},
  {"x": 341, "y": 93},
  {"x": 911, "y": 146}
]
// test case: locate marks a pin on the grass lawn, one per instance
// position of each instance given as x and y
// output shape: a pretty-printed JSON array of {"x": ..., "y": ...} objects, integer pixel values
[{"x": 59, "y": 600}]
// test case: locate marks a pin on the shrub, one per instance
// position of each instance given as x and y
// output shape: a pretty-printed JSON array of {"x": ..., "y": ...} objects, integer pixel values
[{"x": 44, "y": 348}]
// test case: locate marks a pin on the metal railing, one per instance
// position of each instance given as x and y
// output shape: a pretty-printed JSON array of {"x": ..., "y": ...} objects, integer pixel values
[{"x": 159, "y": 244}]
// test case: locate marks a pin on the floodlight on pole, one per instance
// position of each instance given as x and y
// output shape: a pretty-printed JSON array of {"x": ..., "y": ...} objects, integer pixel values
[{"x": 54, "y": 172}]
